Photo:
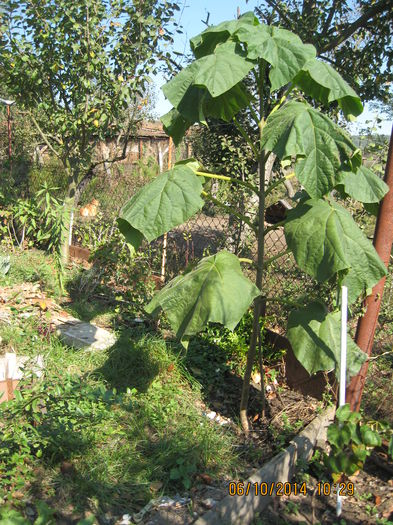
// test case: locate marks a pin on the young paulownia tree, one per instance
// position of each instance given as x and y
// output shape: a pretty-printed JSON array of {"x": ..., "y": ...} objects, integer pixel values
[{"x": 322, "y": 235}]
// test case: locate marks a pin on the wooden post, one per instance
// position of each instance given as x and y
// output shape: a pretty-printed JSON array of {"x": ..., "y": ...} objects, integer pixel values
[
  {"x": 383, "y": 239},
  {"x": 165, "y": 240}
]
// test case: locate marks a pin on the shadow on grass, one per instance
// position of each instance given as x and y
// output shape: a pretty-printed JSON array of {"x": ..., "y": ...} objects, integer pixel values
[
  {"x": 131, "y": 362},
  {"x": 221, "y": 388},
  {"x": 140, "y": 443}
]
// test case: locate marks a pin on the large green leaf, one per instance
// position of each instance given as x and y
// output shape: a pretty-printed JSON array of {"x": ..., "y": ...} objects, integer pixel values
[
  {"x": 205, "y": 43},
  {"x": 175, "y": 125},
  {"x": 299, "y": 130},
  {"x": 363, "y": 186},
  {"x": 215, "y": 291},
  {"x": 171, "y": 199},
  {"x": 321, "y": 82},
  {"x": 325, "y": 240},
  {"x": 218, "y": 73},
  {"x": 315, "y": 337},
  {"x": 197, "y": 104},
  {"x": 282, "y": 49},
  {"x": 222, "y": 70}
]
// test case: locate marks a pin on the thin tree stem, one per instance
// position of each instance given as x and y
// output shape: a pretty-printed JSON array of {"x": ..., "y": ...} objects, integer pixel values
[
  {"x": 278, "y": 182},
  {"x": 261, "y": 251},
  {"x": 275, "y": 257}
]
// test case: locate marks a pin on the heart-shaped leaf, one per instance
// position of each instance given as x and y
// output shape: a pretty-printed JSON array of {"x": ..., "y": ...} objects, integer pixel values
[
  {"x": 321, "y": 82},
  {"x": 197, "y": 104},
  {"x": 299, "y": 130},
  {"x": 315, "y": 337},
  {"x": 171, "y": 199},
  {"x": 205, "y": 43},
  {"x": 325, "y": 240},
  {"x": 370, "y": 437},
  {"x": 363, "y": 186},
  {"x": 282, "y": 49},
  {"x": 218, "y": 73},
  {"x": 214, "y": 291},
  {"x": 175, "y": 125}
]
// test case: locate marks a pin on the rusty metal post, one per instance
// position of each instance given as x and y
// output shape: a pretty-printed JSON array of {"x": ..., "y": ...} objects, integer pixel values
[{"x": 383, "y": 239}]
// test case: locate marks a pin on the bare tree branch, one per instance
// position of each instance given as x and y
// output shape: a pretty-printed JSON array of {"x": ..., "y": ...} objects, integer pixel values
[
  {"x": 329, "y": 18},
  {"x": 44, "y": 137},
  {"x": 348, "y": 31},
  {"x": 277, "y": 8}
]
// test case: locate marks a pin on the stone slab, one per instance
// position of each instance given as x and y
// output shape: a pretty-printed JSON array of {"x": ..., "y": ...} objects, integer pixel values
[
  {"x": 85, "y": 335},
  {"x": 241, "y": 510}
]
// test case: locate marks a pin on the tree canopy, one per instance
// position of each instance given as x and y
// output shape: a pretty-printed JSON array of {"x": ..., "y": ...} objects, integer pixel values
[
  {"x": 355, "y": 37},
  {"x": 78, "y": 67}
]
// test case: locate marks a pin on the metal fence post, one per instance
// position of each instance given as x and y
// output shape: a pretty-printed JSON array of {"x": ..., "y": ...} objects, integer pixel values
[{"x": 383, "y": 238}]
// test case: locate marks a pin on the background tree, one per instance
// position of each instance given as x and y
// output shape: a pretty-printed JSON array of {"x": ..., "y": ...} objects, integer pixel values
[
  {"x": 77, "y": 67},
  {"x": 355, "y": 37}
]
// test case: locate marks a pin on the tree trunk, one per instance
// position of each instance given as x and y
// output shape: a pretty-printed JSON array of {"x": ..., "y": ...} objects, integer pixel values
[
  {"x": 257, "y": 303},
  {"x": 69, "y": 204}
]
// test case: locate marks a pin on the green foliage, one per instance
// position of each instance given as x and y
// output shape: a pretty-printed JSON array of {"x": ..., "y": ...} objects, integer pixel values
[
  {"x": 78, "y": 70},
  {"x": 323, "y": 237},
  {"x": 215, "y": 291},
  {"x": 46, "y": 420},
  {"x": 353, "y": 36},
  {"x": 326, "y": 241},
  {"x": 123, "y": 276},
  {"x": 364, "y": 185},
  {"x": 40, "y": 222},
  {"x": 114, "y": 445},
  {"x": 32, "y": 266},
  {"x": 321, "y": 82},
  {"x": 183, "y": 472},
  {"x": 351, "y": 440},
  {"x": 315, "y": 336},
  {"x": 320, "y": 146},
  {"x": 148, "y": 215}
]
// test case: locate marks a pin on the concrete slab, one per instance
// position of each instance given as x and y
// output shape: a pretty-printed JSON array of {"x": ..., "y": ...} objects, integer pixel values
[{"x": 85, "y": 335}]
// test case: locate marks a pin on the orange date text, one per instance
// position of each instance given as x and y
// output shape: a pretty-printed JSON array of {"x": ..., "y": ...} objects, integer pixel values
[{"x": 247, "y": 488}]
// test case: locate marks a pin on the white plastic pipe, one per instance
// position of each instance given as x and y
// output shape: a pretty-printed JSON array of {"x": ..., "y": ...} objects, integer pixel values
[
  {"x": 343, "y": 356},
  {"x": 343, "y": 365}
]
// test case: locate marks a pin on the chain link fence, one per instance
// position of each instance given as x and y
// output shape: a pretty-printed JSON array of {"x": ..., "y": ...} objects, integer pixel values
[{"x": 208, "y": 232}]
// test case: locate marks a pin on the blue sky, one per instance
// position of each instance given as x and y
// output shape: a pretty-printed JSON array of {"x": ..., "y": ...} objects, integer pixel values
[{"x": 191, "y": 17}]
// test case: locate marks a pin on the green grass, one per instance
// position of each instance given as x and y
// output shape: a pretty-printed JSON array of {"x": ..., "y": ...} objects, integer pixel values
[
  {"x": 144, "y": 437},
  {"x": 32, "y": 266}
]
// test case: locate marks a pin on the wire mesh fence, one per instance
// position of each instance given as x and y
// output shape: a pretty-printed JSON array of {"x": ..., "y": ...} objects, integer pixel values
[{"x": 208, "y": 232}]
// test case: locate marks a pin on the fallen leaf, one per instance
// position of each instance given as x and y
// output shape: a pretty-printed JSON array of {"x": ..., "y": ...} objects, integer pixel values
[
  {"x": 206, "y": 478},
  {"x": 155, "y": 485},
  {"x": 377, "y": 499},
  {"x": 43, "y": 306},
  {"x": 256, "y": 378}
]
